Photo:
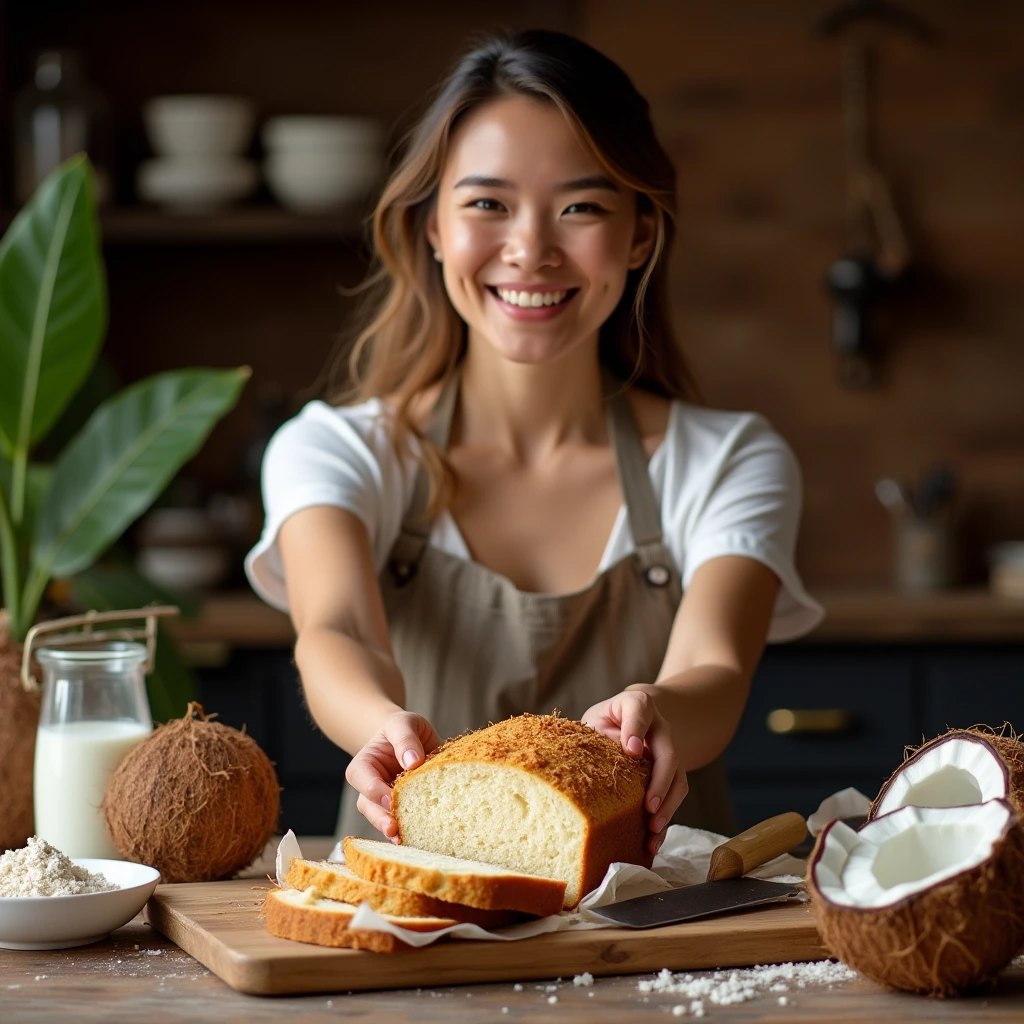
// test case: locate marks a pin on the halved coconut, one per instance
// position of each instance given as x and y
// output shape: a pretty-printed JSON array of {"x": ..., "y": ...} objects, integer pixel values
[
  {"x": 925, "y": 899},
  {"x": 963, "y": 766}
]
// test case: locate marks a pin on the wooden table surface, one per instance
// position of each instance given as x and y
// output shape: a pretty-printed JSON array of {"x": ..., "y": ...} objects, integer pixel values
[{"x": 137, "y": 975}]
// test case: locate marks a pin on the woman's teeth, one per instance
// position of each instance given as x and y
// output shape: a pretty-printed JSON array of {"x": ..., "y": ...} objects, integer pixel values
[{"x": 531, "y": 299}]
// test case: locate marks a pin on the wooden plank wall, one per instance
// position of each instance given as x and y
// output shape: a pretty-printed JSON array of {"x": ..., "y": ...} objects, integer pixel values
[{"x": 747, "y": 100}]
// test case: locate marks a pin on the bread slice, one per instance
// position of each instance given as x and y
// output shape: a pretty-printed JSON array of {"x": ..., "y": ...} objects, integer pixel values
[
  {"x": 306, "y": 917},
  {"x": 453, "y": 879},
  {"x": 536, "y": 793},
  {"x": 339, "y": 882}
]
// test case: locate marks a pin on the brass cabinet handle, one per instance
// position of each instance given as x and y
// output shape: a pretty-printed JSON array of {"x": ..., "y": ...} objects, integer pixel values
[{"x": 786, "y": 721}]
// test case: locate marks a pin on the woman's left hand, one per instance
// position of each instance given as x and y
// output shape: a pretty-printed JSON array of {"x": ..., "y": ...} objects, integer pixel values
[{"x": 632, "y": 719}]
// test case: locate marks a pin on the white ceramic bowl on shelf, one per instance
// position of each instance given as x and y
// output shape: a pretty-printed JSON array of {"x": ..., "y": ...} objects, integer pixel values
[
  {"x": 195, "y": 184},
  {"x": 206, "y": 126},
  {"x": 302, "y": 132},
  {"x": 59, "y": 922},
  {"x": 310, "y": 182}
]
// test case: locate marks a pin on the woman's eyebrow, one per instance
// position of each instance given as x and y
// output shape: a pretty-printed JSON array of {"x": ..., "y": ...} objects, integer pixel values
[{"x": 576, "y": 185}]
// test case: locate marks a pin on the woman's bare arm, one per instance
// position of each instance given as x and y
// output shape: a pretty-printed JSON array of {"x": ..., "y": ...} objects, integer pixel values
[
  {"x": 717, "y": 639},
  {"x": 342, "y": 649}
]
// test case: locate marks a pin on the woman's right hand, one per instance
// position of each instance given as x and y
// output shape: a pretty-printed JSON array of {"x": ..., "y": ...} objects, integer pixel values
[{"x": 402, "y": 742}]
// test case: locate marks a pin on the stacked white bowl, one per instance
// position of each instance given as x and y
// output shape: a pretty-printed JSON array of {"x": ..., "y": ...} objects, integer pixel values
[
  {"x": 317, "y": 164},
  {"x": 198, "y": 141}
]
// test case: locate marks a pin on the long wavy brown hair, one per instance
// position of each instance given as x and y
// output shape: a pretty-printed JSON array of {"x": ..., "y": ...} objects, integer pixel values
[{"x": 406, "y": 336}]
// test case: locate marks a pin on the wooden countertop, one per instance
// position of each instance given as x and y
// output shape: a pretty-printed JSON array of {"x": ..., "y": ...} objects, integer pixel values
[
  {"x": 240, "y": 619},
  {"x": 137, "y": 975}
]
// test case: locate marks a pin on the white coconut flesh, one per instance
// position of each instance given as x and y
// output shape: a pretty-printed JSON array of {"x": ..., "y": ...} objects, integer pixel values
[
  {"x": 906, "y": 852},
  {"x": 960, "y": 770}
]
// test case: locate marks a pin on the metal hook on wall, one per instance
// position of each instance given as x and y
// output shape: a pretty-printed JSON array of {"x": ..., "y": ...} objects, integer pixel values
[{"x": 877, "y": 252}]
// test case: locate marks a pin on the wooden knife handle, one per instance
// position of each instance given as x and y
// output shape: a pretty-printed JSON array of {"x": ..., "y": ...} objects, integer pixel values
[{"x": 757, "y": 846}]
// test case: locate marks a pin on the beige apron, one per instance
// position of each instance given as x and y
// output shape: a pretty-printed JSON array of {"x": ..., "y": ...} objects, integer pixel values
[{"x": 473, "y": 649}]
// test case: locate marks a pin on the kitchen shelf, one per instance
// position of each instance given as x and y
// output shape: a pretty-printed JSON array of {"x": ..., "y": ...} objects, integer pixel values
[
  {"x": 131, "y": 225},
  {"x": 240, "y": 619}
]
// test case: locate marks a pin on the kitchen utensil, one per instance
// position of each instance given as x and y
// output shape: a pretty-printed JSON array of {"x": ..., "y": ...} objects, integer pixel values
[
  {"x": 725, "y": 888},
  {"x": 219, "y": 924},
  {"x": 935, "y": 491},
  {"x": 892, "y": 494}
]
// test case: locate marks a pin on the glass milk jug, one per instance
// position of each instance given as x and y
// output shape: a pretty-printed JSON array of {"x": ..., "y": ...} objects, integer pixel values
[{"x": 94, "y": 710}]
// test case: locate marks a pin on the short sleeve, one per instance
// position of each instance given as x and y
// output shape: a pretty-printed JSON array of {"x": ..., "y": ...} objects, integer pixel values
[
  {"x": 327, "y": 456},
  {"x": 747, "y": 501}
]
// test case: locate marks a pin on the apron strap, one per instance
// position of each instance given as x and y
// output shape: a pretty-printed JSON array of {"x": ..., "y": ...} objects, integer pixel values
[
  {"x": 415, "y": 532},
  {"x": 631, "y": 460}
]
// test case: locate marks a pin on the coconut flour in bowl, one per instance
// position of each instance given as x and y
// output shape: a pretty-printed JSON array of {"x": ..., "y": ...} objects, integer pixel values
[{"x": 39, "y": 869}]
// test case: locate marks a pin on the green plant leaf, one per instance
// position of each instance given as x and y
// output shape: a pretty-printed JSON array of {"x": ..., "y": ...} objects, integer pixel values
[
  {"x": 172, "y": 683},
  {"x": 20, "y": 540},
  {"x": 120, "y": 462},
  {"x": 53, "y": 305}
]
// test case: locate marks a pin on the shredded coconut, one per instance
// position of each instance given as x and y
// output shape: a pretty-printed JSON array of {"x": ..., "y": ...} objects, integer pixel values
[
  {"x": 39, "y": 869},
  {"x": 725, "y": 988},
  {"x": 586, "y": 979}
]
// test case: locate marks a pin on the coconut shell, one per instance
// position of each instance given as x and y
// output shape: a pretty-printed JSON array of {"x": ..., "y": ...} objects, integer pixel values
[
  {"x": 1007, "y": 747},
  {"x": 197, "y": 800},
  {"x": 939, "y": 941},
  {"x": 19, "y": 719}
]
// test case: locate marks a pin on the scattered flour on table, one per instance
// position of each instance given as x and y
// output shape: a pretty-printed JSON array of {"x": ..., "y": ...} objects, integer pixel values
[
  {"x": 725, "y": 988},
  {"x": 39, "y": 869}
]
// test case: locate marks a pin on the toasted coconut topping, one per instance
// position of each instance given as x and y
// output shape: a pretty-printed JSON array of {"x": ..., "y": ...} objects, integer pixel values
[{"x": 903, "y": 853}]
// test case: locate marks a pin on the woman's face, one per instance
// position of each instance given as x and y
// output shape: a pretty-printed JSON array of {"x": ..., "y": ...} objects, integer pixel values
[{"x": 536, "y": 240}]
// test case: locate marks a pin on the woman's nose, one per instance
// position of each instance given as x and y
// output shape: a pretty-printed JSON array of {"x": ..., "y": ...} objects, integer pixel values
[{"x": 530, "y": 245}]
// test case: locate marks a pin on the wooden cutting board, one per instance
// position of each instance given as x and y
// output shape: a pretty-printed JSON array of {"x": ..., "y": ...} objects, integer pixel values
[{"x": 219, "y": 924}]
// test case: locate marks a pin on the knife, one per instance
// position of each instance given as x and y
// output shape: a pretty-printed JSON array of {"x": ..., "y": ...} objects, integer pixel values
[{"x": 725, "y": 889}]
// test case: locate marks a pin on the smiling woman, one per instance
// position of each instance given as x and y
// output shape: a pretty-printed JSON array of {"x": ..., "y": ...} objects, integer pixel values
[{"x": 502, "y": 511}]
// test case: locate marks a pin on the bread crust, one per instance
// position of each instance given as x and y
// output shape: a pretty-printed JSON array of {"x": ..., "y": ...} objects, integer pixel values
[
  {"x": 529, "y": 894},
  {"x": 334, "y": 882},
  {"x": 591, "y": 771},
  {"x": 320, "y": 927}
]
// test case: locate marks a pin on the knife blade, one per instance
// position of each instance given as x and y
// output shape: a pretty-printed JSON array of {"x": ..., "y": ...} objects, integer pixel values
[{"x": 726, "y": 889}]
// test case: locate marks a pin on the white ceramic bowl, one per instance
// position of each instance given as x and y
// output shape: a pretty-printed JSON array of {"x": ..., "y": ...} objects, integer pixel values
[
  {"x": 307, "y": 184},
  {"x": 198, "y": 125},
  {"x": 184, "y": 568},
  {"x": 191, "y": 183},
  {"x": 57, "y": 922},
  {"x": 322, "y": 133}
]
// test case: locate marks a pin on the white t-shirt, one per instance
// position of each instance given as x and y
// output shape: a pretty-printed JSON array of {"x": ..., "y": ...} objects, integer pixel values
[{"x": 727, "y": 484}]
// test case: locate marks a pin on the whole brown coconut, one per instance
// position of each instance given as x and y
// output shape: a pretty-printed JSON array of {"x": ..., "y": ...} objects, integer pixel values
[
  {"x": 1006, "y": 744},
  {"x": 19, "y": 718},
  {"x": 197, "y": 800}
]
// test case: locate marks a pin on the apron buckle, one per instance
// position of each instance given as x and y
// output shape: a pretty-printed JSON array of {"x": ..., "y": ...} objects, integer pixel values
[
  {"x": 402, "y": 572},
  {"x": 658, "y": 575}
]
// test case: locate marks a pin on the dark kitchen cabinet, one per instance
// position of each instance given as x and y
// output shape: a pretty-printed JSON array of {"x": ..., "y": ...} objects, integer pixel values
[{"x": 892, "y": 696}]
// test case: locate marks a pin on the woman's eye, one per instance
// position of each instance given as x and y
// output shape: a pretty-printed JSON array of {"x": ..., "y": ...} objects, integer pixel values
[
  {"x": 485, "y": 204},
  {"x": 584, "y": 208}
]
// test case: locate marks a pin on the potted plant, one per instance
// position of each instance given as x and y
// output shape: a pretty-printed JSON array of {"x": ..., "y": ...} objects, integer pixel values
[{"x": 57, "y": 519}]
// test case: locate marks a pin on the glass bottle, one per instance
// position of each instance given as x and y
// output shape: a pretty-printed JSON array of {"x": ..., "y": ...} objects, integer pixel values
[
  {"x": 58, "y": 114},
  {"x": 94, "y": 710}
]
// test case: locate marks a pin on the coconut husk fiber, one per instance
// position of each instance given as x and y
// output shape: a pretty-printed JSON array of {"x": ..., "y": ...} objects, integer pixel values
[
  {"x": 197, "y": 800},
  {"x": 19, "y": 719},
  {"x": 940, "y": 941}
]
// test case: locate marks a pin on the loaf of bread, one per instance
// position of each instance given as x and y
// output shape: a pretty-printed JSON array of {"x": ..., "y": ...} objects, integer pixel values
[
  {"x": 536, "y": 793},
  {"x": 338, "y": 882},
  {"x": 453, "y": 879},
  {"x": 304, "y": 916}
]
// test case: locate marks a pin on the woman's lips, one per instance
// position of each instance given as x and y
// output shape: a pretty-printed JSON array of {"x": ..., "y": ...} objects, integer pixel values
[{"x": 532, "y": 313}]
